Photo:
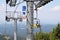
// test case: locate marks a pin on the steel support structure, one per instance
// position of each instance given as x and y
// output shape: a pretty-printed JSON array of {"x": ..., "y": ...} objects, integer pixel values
[
  {"x": 30, "y": 12},
  {"x": 15, "y": 29}
]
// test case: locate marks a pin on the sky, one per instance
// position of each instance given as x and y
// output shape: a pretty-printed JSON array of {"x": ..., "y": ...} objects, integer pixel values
[{"x": 48, "y": 14}]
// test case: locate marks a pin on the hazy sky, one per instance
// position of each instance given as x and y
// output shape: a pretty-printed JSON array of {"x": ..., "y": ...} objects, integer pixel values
[{"x": 48, "y": 14}]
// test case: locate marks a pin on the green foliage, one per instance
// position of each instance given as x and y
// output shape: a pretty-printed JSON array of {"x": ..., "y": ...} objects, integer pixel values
[
  {"x": 2, "y": 37},
  {"x": 39, "y": 36},
  {"x": 42, "y": 36},
  {"x": 57, "y": 31},
  {"x": 54, "y": 35},
  {"x": 46, "y": 36}
]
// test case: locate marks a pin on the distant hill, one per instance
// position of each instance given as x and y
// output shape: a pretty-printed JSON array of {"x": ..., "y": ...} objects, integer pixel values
[{"x": 22, "y": 29}]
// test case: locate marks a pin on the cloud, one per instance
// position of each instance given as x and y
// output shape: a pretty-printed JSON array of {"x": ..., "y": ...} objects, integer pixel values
[
  {"x": 56, "y": 8},
  {"x": 2, "y": 7},
  {"x": 49, "y": 15}
]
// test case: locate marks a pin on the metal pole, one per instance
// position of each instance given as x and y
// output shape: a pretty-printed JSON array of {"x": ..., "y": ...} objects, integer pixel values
[
  {"x": 36, "y": 12},
  {"x": 30, "y": 20},
  {"x": 15, "y": 29}
]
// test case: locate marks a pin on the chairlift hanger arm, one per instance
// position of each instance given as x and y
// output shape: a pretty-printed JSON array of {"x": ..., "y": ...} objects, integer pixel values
[
  {"x": 43, "y": 2},
  {"x": 18, "y": 5}
]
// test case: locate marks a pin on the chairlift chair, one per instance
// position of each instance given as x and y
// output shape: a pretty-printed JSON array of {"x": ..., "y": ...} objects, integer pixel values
[{"x": 36, "y": 23}]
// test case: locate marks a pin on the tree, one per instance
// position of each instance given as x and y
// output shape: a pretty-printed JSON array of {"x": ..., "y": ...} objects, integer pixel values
[
  {"x": 46, "y": 36},
  {"x": 39, "y": 36},
  {"x": 52, "y": 36},
  {"x": 56, "y": 31}
]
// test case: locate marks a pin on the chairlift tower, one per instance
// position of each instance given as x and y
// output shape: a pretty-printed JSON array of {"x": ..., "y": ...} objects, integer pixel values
[{"x": 30, "y": 12}]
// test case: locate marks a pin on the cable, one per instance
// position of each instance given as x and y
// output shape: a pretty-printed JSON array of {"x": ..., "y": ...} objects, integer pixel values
[
  {"x": 5, "y": 31},
  {"x": 5, "y": 21},
  {"x": 6, "y": 9}
]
